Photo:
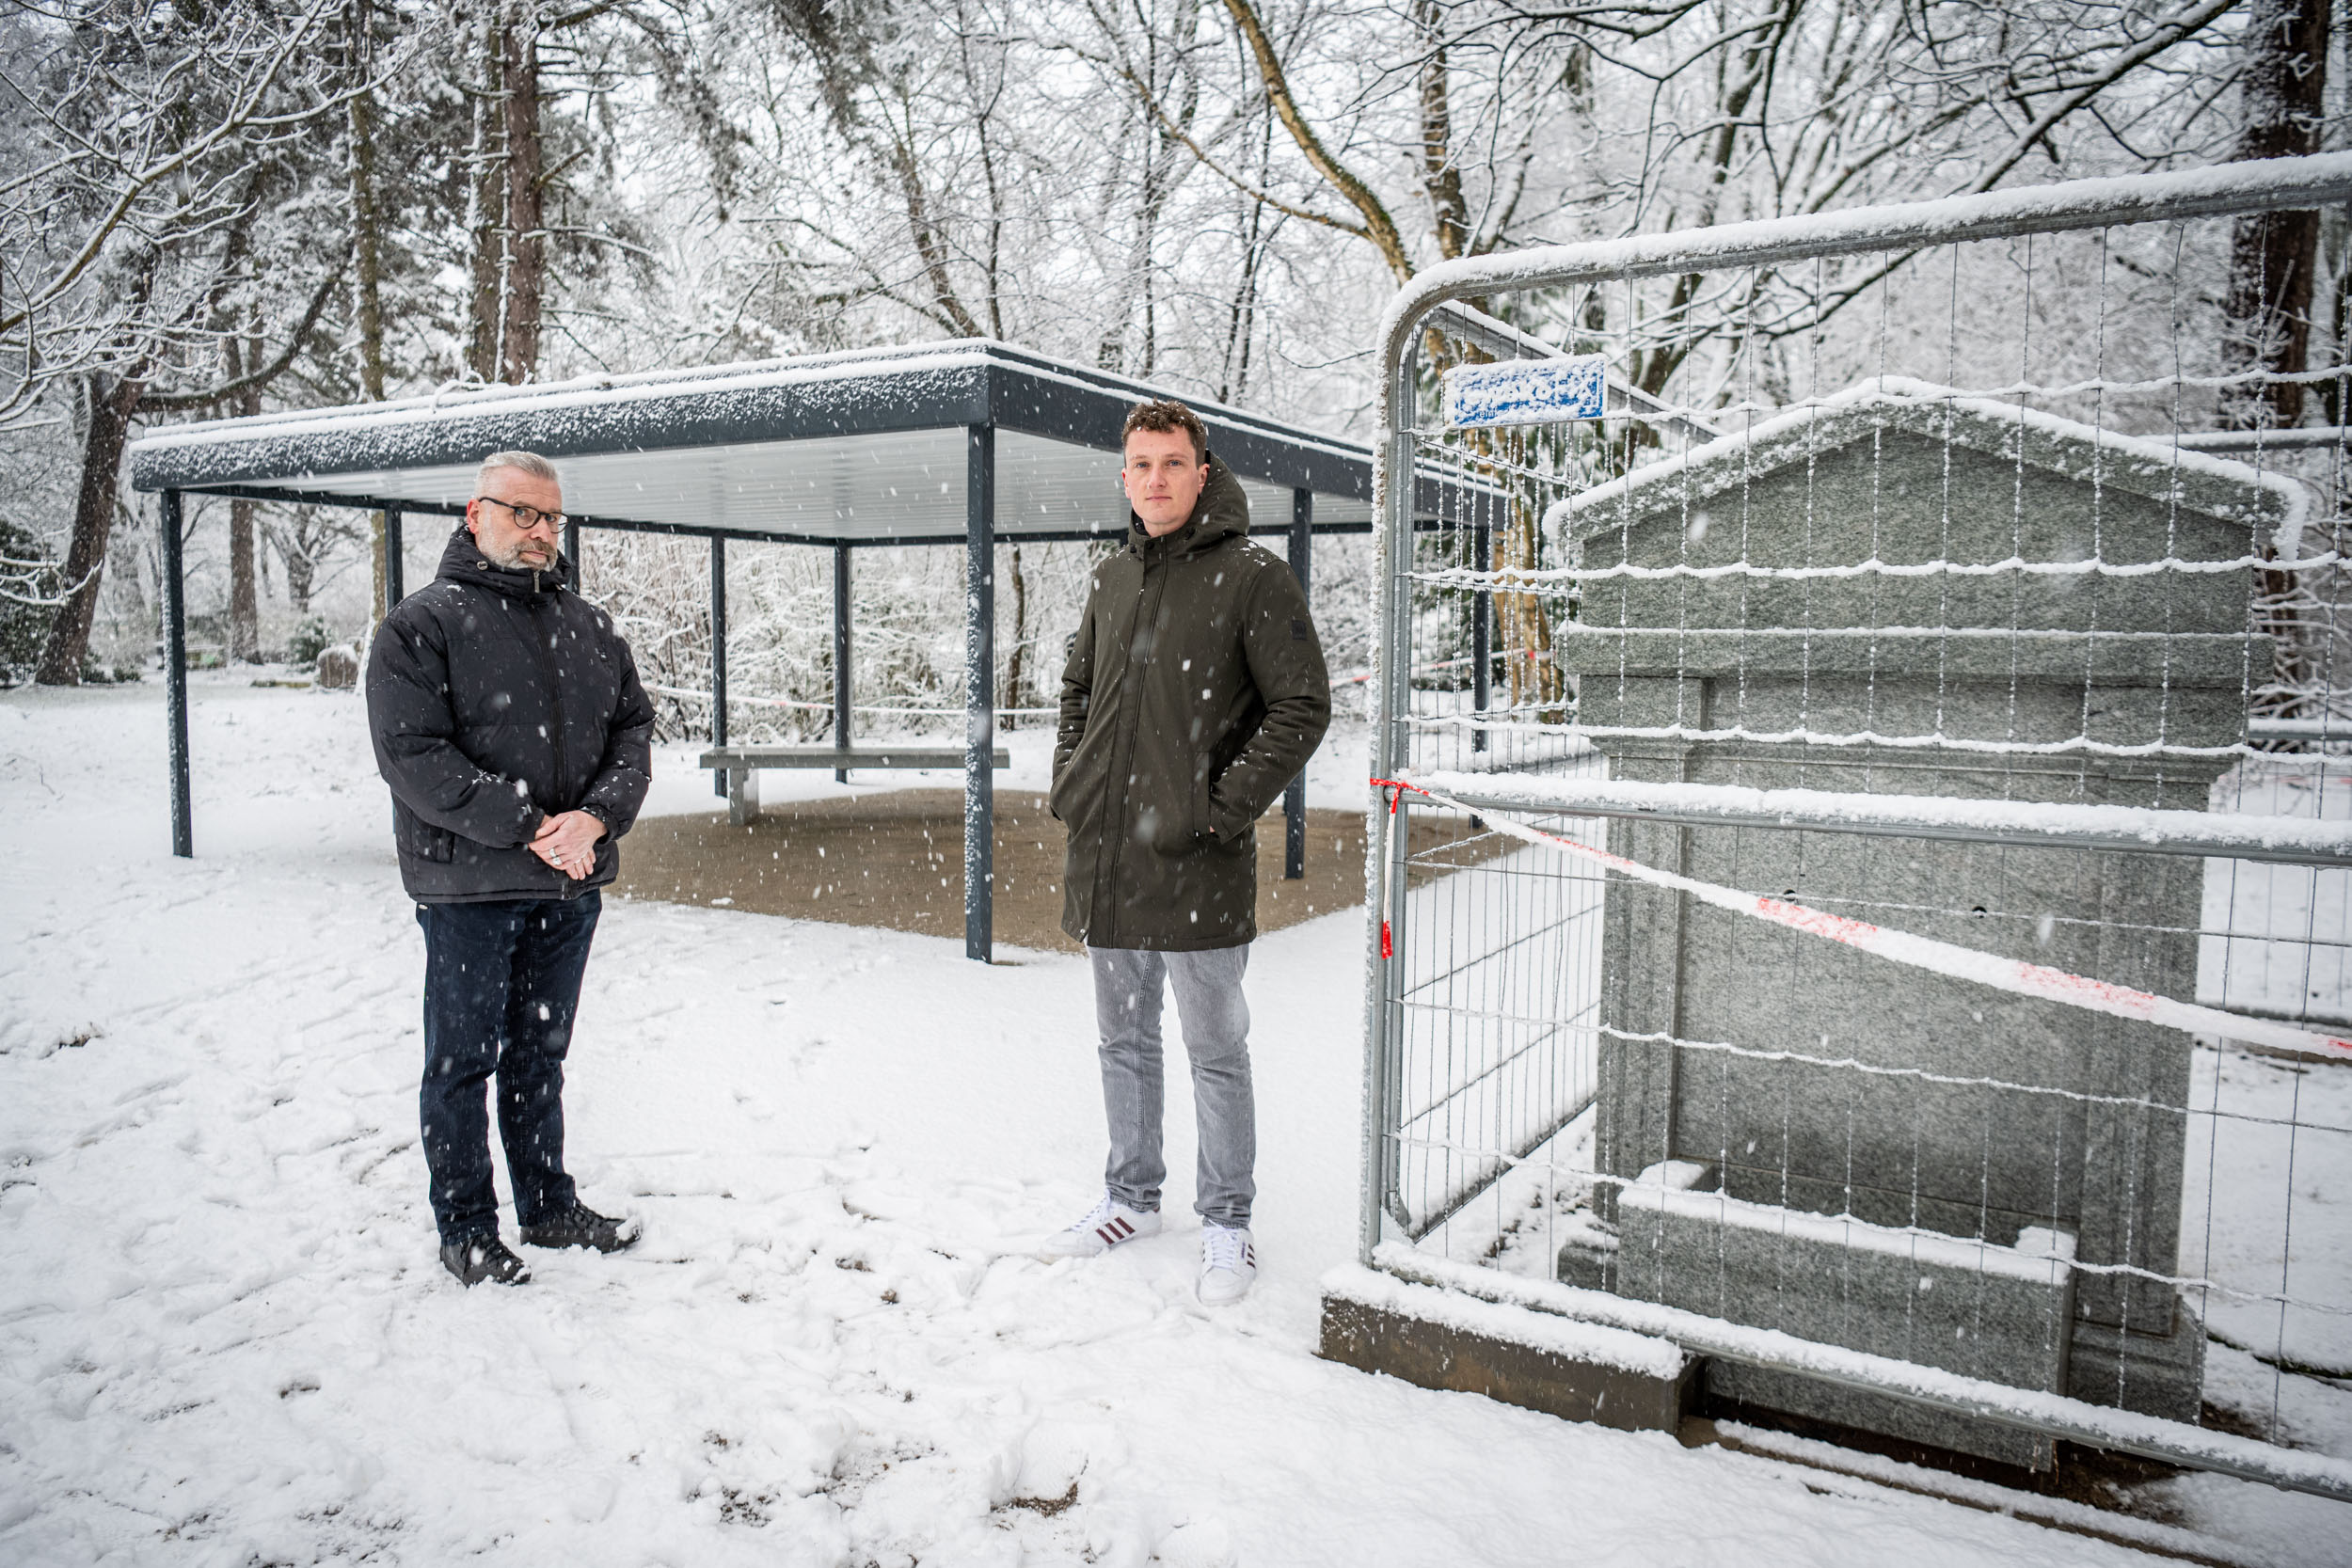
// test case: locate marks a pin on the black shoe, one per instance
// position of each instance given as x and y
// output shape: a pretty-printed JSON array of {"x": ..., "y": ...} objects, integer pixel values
[
  {"x": 581, "y": 1225},
  {"x": 480, "y": 1257}
]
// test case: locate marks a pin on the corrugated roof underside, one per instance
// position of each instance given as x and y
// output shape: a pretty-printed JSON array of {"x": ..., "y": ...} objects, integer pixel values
[{"x": 897, "y": 484}]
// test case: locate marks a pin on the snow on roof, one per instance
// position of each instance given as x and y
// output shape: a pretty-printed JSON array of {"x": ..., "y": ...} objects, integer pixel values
[
  {"x": 906, "y": 367},
  {"x": 2156, "y": 469},
  {"x": 865, "y": 445}
]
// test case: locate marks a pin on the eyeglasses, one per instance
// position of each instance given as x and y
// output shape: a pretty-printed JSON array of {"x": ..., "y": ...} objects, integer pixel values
[{"x": 528, "y": 517}]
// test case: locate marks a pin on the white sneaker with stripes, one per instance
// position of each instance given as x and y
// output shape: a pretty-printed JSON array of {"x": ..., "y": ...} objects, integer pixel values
[
  {"x": 1229, "y": 1264},
  {"x": 1108, "y": 1223}
]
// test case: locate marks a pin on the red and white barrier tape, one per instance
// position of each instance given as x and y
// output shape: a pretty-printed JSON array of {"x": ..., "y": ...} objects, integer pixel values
[{"x": 1942, "y": 957}]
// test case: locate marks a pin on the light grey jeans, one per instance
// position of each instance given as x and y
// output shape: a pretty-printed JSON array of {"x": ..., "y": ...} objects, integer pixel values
[{"x": 1215, "y": 1020}]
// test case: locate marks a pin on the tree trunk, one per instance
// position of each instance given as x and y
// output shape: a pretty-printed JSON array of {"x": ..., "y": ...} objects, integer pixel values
[
  {"x": 245, "y": 618},
  {"x": 1016, "y": 663},
  {"x": 1441, "y": 175},
  {"x": 2272, "y": 256},
  {"x": 523, "y": 262},
  {"x": 485, "y": 189},
  {"x": 367, "y": 252},
  {"x": 301, "y": 566},
  {"x": 112, "y": 402},
  {"x": 1534, "y": 672},
  {"x": 2267, "y": 318}
]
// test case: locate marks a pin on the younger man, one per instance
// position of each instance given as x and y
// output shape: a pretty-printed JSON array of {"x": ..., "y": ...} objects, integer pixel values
[{"x": 1195, "y": 691}]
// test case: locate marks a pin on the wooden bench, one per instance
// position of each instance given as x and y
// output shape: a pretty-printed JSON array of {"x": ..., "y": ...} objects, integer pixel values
[{"x": 738, "y": 766}]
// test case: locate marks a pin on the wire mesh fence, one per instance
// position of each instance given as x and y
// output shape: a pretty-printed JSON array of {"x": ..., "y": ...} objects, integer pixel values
[{"x": 1982, "y": 582}]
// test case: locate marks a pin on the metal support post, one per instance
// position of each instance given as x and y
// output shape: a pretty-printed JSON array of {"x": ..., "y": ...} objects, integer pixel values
[
  {"x": 844, "y": 682},
  {"x": 979, "y": 693},
  {"x": 395, "y": 589},
  {"x": 1482, "y": 620},
  {"x": 571, "y": 548},
  {"x": 719, "y": 655},
  {"x": 1294, "y": 793},
  {"x": 1393, "y": 484},
  {"x": 175, "y": 678}
]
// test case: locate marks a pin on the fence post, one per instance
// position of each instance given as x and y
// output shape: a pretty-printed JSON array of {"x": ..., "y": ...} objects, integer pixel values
[
  {"x": 1482, "y": 619},
  {"x": 1294, "y": 793},
  {"x": 395, "y": 587},
  {"x": 979, "y": 691},
  {"x": 720, "y": 777},
  {"x": 844, "y": 683},
  {"x": 1393, "y": 484},
  {"x": 176, "y": 677}
]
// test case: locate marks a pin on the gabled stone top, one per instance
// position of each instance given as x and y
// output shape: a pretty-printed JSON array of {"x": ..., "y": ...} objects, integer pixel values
[{"x": 2153, "y": 468}]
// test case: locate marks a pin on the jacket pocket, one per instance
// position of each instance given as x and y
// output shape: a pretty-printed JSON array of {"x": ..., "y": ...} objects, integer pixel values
[
  {"x": 1203, "y": 823},
  {"x": 415, "y": 836}
]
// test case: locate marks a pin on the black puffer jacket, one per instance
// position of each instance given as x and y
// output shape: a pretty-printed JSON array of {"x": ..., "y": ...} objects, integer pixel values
[
  {"x": 1194, "y": 693},
  {"x": 499, "y": 698}
]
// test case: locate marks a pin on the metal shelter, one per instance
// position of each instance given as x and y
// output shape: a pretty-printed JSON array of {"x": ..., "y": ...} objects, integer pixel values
[{"x": 965, "y": 443}]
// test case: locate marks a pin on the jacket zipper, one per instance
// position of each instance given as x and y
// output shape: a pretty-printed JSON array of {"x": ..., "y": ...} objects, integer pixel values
[
  {"x": 1132, "y": 720},
  {"x": 555, "y": 699}
]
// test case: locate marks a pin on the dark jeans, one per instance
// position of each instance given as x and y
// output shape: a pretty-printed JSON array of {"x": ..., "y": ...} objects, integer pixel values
[{"x": 501, "y": 981}]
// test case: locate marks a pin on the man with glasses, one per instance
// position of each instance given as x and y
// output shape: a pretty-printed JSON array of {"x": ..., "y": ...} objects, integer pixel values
[{"x": 509, "y": 721}]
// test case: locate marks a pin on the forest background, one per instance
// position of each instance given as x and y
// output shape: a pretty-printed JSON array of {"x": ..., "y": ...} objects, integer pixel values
[{"x": 224, "y": 207}]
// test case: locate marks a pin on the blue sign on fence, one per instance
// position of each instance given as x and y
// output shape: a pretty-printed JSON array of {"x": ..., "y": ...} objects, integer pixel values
[{"x": 1527, "y": 391}]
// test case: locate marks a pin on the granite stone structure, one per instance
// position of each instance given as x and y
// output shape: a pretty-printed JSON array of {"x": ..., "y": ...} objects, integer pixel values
[{"x": 1807, "y": 1138}]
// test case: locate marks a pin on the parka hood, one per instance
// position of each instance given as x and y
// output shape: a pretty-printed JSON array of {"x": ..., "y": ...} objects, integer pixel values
[
  {"x": 1222, "y": 513},
  {"x": 462, "y": 560}
]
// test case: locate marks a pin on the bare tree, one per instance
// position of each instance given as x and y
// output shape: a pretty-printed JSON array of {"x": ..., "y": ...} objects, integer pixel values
[
  {"x": 137, "y": 132},
  {"x": 306, "y": 538},
  {"x": 155, "y": 137}
]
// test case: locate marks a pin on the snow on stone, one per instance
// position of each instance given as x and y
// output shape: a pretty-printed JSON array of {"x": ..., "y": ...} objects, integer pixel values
[
  {"x": 1644, "y": 1354},
  {"x": 2037, "y": 1259},
  {"x": 2103, "y": 1425},
  {"x": 2140, "y": 464}
]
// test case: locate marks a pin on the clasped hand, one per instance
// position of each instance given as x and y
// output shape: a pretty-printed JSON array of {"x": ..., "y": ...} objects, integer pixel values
[{"x": 568, "y": 841}]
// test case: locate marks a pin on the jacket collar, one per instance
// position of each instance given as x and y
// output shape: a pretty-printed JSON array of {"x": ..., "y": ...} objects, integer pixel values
[{"x": 462, "y": 560}]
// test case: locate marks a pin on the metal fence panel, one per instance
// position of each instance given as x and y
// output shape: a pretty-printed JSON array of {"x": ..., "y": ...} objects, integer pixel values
[{"x": 1936, "y": 571}]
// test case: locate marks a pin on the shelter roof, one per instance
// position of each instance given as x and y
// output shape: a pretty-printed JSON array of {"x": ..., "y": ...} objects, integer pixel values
[{"x": 868, "y": 446}]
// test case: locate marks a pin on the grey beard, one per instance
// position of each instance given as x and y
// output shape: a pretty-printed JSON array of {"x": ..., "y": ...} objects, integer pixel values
[{"x": 513, "y": 557}]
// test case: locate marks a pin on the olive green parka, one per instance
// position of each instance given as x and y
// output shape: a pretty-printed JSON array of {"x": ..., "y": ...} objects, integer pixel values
[{"x": 1195, "y": 691}]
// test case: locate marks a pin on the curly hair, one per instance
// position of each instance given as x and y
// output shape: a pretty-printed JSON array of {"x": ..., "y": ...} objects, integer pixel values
[{"x": 1163, "y": 415}]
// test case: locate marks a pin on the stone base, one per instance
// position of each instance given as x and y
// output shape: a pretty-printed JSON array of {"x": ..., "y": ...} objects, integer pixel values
[
  {"x": 1432, "y": 1352},
  {"x": 2000, "y": 1313},
  {"x": 2161, "y": 1374},
  {"x": 1888, "y": 1417},
  {"x": 1588, "y": 1263}
]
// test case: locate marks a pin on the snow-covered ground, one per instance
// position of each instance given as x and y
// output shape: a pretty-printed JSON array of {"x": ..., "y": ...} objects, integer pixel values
[{"x": 224, "y": 1336}]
